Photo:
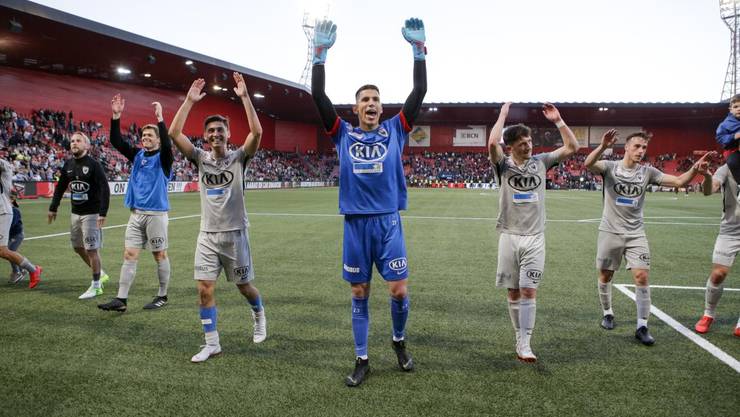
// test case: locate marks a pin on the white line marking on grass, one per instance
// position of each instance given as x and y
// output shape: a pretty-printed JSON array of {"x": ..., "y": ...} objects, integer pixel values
[
  {"x": 703, "y": 343},
  {"x": 115, "y": 226},
  {"x": 675, "y": 287}
]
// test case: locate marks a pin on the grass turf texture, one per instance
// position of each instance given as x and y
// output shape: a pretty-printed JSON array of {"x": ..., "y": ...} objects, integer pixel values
[{"x": 64, "y": 357}]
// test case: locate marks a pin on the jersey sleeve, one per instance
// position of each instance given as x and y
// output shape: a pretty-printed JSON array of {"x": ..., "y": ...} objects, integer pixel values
[
  {"x": 721, "y": 174},
  {"x": 549, "y": 159},
  {"x": 607, "y": 166},
  {"x": 339, "y": 129},
  {"x": 655, "y": 176}
]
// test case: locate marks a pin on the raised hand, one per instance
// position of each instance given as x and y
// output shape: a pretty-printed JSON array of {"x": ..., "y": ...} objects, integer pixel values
[
  {"x": 324, "y": 36},
  {"x": 504, "y": 112},
  {"x": 158, "y": 111},
  {"x": 116, "y": 105},
  {"x": 241, "y": 87},
  {"x": 413, "y": 32},
  {"x": 196, "y": 90},
  {"x": 702, "y": 165},
  {"x": 551, "y": 113},
  {"x": 609, "y": 138}
]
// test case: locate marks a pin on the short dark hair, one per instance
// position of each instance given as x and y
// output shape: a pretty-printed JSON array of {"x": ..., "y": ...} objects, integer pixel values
[
  {"x": 735, "y": 99},
  {"x": 150, "y": 126},
  {"x": 216, "y": 118},
  {"x": 366, "y": 87},
  {"x": 513, "y": 133},
  {"x": 642, "y": 135}
]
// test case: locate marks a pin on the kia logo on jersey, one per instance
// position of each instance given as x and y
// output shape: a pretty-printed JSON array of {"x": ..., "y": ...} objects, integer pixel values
[
  {"x": 398, "y": 264},
  {"x": 79, "y": 187},
  {"x": 627, "y": 189},
  {"x": 368, "y": 153},
  {"x": 524, "y": 182},
  {"x": 217, "y": 180}
]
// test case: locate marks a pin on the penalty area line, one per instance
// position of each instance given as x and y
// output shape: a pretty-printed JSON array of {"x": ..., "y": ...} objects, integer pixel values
[{"x": 700, "y": 341}]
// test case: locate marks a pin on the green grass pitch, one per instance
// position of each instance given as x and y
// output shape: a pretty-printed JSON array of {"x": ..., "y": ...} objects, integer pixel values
[{"x": 63, "y": 357}]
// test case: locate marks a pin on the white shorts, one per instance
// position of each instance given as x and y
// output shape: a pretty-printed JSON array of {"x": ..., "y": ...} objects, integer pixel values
[
  {"x": 6, "y": 220},
  {"x": 84, "y": 232},
  {"x": 147, "y": 231},
  {"x": 227, "y": 250},
  {"x": 725, "y": 250},
  {"x": 612, "y": 247},
  {"x": 521, "y": 261}
]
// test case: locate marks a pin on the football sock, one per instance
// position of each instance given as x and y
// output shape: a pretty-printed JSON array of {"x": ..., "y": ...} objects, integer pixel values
[
  {"x": 399, "y": 314},
  {"x": 642, "y": 299},
  {"x": 256, "y": 304},
  {"x": 711, "y": 297},
  {"x": 128, "y": 272},
  {"x": 27, "y": 265},
  {"x": 163, "y": 272},
  {"x": 527, "y": 313},
  {"x": 605, "y": 296},
  {"x": 514, "y": 314},
  {"x": 360, "y": 325},
  {"x": 96, "y": 280},
  {"x": 208, "y": 320}
]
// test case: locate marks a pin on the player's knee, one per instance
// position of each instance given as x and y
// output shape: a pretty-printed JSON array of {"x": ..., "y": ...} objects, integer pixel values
[
  {"x": 205, "y": 294},
  {"x": 605, "y": 276},
  {"x": 641, "y": 277},
  {"x": 160, "y": 255},
  {"x": 399, "y": 292},
  {"x": 360, "y": 290},
  {"x": 514, "y": 294},
  {"x": 4, "y": 252},
  {"x": 529, "y": 292},
  {"x": 718, "y": 275},
  {"x": 130, "y": 255}
]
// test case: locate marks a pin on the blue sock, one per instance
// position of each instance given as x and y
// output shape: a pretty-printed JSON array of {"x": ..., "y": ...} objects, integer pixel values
[
  {"x": 256, "y": 304},
  {"x": 360, "y": 325},
  {"x": 399, "y": 314},
  {"x": 208, "y": 318}
]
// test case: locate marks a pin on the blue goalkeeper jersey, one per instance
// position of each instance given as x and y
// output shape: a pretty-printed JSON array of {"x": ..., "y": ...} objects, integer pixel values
[
  {"x": 147, "y": 185},
  {"x": 371, "y": 179}
]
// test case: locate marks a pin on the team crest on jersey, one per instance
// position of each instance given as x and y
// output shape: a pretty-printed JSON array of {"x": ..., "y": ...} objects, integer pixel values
[
  {"x": 217, "y": 180},
  {"x": 382, "y": 132},
  {"x": 628, "y": 189},
  {"x": 79, "y": 187},
  {"x": 524, "y": 182},
  {"x": 532, "y": 168},
  {"x": 85, "y": 170},
  {"x": 372, "y": 152}
]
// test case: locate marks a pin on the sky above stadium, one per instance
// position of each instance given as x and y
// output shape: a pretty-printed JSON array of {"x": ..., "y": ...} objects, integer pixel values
[{"x": 478, "y": 51}]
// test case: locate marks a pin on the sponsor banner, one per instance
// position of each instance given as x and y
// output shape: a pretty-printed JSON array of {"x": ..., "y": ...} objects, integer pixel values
[
  {"x": 470, "y": 136},
  {"x": 258, "y": 185},
  {"x": 119, "y": 187},
  {"x": 309, "y": 184},
  {"x": 481, "y": 185},
  {"x": 421, "y": 136}
]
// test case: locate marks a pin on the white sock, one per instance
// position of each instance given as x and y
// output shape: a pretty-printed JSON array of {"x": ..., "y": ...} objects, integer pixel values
[
  {"x": 527, "y": 313},
  {"x": 163, "y": 272},
  {"x": 642, "y": 299},
  {"x": 711, "y": 298},
  {"x": 96, "y": 284},
  {"x": 514, "y": 314},
  {"x": 605, "y": 296},
  {"x": 128, "y": 273},
  {"x": 212, "y": 338}
]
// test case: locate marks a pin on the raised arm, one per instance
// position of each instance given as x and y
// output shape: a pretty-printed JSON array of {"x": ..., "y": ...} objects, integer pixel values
[
  {"x": 495, "y": 151},
  {"x": 195, "y": 94},
  {"x": 252, "y": 142},
  {"x": 686, "y": 177},
  {"x": 117, "y": 105},
  {"x": 414, "y": 33},
  {"x": 592, "y": 162},
  {"x": 570, "y": 143},
  {"x": 709, "y": 185},
  {"x": 325, "y": 34},
  {"x": 165, "y": 144}
]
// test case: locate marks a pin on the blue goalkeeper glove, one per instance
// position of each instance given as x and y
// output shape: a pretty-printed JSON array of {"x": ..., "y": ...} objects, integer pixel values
[
  {"x": 414, "y": 34},
  {"x": 324, "y": 35}
]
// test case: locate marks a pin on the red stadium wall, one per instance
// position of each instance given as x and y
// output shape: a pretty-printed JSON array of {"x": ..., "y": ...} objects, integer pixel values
[
  {"x": 26, "y": 90},
  {"x": 292, "y": 136},
  {"x": 680, "y": 140}
]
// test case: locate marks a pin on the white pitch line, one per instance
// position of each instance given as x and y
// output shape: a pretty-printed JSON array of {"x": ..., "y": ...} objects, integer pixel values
[
  {"x": 116, "y": 226},
  {"x": 700, "y": 341},
  {"x": 676, "y": 287}
]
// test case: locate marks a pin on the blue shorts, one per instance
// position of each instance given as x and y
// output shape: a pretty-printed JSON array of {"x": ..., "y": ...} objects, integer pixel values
[{"x": 374, "y": 239}]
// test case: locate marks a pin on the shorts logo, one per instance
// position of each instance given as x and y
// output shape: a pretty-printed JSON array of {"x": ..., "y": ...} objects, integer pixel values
[
  {"x": 79, "y": 187},
  {"x": 91, "y": 239},
  {"x": 218, "y": 180},
  {"x": 645, "y": 258},
  {"x": 156, "y": 241},
  {"x": 524, "y": 182},
  {"x": 241, "y": 271},
  {"x": 368, "y": 153},
  {"x": 627, "y": 189},
  {"x": 352, "y": 269},
  {"x": 534, "y": 275},
  {"x": 202, "y": 268},
  {"x": 399, "y": 264}
]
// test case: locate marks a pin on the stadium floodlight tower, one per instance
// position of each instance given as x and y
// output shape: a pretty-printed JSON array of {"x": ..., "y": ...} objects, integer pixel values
[
  {"x": 728, "y": 10},
  {"x": 310, "y": 17}
]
